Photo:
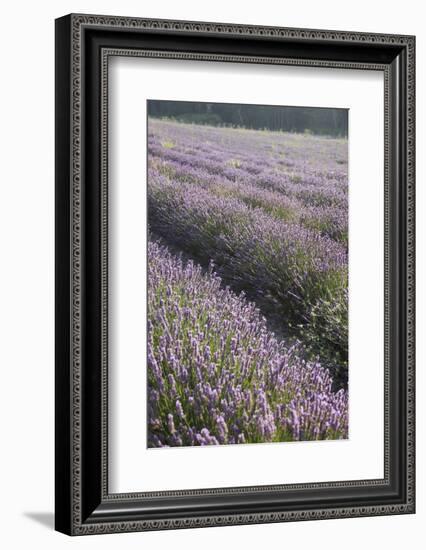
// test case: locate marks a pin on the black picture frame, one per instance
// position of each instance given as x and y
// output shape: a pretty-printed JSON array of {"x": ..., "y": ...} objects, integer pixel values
[{"x": 83, "y": 45}]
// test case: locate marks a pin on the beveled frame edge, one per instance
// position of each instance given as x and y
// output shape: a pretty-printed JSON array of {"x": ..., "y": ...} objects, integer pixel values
[{"x": 74, "y": 24}]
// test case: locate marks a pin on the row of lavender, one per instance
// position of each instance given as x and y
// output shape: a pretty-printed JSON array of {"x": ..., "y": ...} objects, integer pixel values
[
  {"x": 293, "y": 177},
  {"x": 217, "y": 376},
  {"x": 271, "y": 210}
]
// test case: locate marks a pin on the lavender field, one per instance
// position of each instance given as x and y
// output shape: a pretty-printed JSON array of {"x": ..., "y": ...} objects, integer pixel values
[{"x": 247, "y": 285}]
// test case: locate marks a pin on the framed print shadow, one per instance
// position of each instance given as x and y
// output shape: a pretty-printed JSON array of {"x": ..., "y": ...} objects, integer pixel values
[{"x": 234, "y": 274}]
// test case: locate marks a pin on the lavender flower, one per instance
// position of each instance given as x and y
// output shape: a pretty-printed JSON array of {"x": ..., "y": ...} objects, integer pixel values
[
  {"x": 265, "y": 217},
  {"x": 259, "y": 390}
]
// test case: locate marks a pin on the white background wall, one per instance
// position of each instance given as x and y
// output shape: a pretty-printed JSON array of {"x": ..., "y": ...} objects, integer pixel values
[{"x": 26, "y": 289}]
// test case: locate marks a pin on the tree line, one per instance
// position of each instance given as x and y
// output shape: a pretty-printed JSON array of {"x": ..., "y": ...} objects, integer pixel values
[{"x": 315, "y": 120}]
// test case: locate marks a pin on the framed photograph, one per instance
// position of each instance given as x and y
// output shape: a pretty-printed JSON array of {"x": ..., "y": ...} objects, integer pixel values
[{"x": 234, "y": 274}]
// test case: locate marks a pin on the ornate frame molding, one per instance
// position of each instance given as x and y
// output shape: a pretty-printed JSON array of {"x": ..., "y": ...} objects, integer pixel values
[{"x": 75, "y": 27}]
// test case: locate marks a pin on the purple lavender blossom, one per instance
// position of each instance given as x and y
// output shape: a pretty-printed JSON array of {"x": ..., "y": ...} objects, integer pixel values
[
  {"x": 257, "y": 391},
  {"x": 265, "y": 213}
]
